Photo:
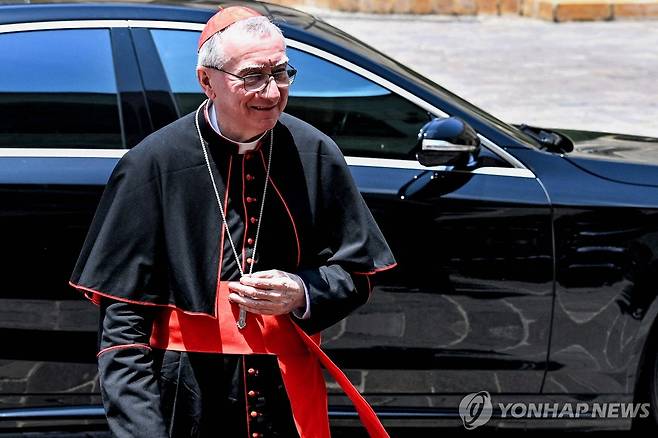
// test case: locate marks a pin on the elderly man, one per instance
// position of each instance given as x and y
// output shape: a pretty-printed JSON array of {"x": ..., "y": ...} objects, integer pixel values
[{"x": 220, "y": 241}]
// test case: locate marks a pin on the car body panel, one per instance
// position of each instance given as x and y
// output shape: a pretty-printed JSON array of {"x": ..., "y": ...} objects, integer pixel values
[
  {"x": 625, "y": 158},
  {"x": 606, "y": 272}
]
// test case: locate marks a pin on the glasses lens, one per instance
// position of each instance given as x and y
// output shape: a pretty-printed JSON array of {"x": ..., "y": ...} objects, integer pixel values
[
  {"x": 281, "y": 78},
  {"x": 258, "y": 82},
  {"x": 255, "y": 82}
]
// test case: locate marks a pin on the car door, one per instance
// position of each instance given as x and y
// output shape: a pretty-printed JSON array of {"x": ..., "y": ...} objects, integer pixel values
[
  {"x": 62, "y": 96},
  {"x": 468, "y": 307}
]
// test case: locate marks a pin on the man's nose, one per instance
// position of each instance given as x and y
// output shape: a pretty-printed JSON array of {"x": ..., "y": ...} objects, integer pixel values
[{"x": 271, "y": 85}]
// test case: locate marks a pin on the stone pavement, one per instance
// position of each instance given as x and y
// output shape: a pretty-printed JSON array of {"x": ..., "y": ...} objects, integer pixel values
[{"x": 600, "y": 76}]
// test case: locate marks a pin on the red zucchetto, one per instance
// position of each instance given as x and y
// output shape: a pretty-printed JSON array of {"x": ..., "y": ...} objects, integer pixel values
[{"x": 223, "y": 19}]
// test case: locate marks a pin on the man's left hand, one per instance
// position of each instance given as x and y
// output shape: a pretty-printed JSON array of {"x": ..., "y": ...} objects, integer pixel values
[{"x": 270, "y": 292}]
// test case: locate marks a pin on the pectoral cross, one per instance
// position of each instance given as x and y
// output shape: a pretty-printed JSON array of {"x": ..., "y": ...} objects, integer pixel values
[{"x": 242, "y": 320}]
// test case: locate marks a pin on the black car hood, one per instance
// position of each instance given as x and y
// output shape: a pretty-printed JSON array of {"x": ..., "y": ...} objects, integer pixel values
[{"x": 624, "y": 158}]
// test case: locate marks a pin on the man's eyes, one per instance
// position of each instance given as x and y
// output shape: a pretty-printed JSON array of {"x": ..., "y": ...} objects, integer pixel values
[{"x": 258, "y": 74}]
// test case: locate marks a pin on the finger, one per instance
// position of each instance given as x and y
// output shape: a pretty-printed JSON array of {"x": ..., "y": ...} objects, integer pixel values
[
  {"x": 270, "y": 273},
  {"x": 239, "y": 288},
  {"x": 279, "y": 283},
  {"x": 247, "y": 302},
  {"x": 233, "y": 284},
  {"x": 255, "y": 293}
]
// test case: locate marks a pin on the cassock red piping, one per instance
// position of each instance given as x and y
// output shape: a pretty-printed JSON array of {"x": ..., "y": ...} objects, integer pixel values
[
  {"x": 374, "y": 271},
  {"x": 246, "y": 399},
  {"x": 292, "y": 220},
  {"x": 246, "y": 220},
  {"x": 126, "y": 300},
  {"x": 120, "y": 347}
]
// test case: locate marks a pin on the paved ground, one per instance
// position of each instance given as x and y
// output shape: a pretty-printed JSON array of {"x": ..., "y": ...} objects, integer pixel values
[{"x": 601, "y": 76}]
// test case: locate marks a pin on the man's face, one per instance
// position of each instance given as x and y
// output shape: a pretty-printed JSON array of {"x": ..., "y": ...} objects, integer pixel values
[{"x": 243, "y": 114}]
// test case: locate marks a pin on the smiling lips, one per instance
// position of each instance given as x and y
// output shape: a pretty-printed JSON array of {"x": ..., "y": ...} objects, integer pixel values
[{"x": 264, "y": 108}]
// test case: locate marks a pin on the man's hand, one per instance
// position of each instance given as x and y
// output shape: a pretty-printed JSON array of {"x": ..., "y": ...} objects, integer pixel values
[{"x": 270, "y": 292}]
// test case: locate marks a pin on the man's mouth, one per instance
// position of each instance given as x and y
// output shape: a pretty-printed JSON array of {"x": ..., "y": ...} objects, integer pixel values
[{"x": 264, "y": 108}]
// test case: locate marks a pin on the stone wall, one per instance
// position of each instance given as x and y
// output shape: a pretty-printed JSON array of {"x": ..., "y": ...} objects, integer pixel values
[{"x": 552, "y": 10}]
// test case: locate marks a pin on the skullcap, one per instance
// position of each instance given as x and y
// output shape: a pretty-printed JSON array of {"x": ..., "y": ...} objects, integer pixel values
[{"x": 223, "y": 19}]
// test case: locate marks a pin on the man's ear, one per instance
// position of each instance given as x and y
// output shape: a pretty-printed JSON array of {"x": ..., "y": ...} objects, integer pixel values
[{"x": 204, "y": 81}]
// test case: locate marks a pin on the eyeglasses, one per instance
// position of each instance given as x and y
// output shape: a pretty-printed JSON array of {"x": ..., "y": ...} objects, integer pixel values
[{"x": 257, "y": 82}]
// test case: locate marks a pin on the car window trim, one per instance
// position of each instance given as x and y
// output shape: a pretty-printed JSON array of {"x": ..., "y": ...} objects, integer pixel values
[
  {"x": 61, "y": 153},
  {"x": 352, "y": 161},
  {"x": 517, "y": 170}
]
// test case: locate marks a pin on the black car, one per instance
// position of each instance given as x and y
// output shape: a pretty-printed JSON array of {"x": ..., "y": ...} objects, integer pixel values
[{"x": 527, "y": 257}]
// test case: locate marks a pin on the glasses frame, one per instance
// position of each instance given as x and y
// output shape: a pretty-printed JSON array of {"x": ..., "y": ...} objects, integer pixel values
[{"x": 270, "y": 75}]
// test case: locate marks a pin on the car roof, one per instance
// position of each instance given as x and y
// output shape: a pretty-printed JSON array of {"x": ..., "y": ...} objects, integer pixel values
[{"x": 192, "y": 11}]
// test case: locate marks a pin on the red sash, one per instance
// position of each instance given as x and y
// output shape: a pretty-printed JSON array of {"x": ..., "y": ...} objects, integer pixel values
[{"x": 299, "y": 356}]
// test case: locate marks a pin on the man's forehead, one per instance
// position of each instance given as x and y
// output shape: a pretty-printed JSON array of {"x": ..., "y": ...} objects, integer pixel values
[
  {"x": 255, "y": 52},
  {"x": 248, "y": 65}
]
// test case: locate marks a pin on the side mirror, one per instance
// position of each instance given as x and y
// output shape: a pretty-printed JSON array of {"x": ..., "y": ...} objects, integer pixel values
[{"x": 447, "y": 142}]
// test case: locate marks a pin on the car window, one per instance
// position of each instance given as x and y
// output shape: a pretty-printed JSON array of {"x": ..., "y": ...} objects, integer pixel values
[
  {"x": 177, "y": 50},
  {"x": 364, "y": 118},
  {"x": 58, "y": 90}
]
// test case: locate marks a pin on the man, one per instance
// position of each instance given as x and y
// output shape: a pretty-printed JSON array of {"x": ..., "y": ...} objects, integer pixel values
[{"x": 219, "y": 241}]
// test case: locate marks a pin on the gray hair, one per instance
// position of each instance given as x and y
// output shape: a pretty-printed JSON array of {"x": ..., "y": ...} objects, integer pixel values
[{"x": 212, "y": 53}]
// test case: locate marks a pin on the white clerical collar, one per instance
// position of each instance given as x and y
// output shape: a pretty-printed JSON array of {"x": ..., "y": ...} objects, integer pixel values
[{"x": 242, "y": 147}]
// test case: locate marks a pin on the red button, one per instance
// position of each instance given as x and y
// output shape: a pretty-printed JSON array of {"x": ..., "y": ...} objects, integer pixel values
[
  {"x": 253, "y": 220},
  {"x": 250, "y": 199},
  {"x": 248, "y": 156},
  {"x": 253, "y": 414},
  {"x": 256, "y": 435},
  {"x": 252, "y": 372},
  {"x": 250, "y": 241},
  {"x": 250, "y": 177},
  {"x": 252, "y": 393}
]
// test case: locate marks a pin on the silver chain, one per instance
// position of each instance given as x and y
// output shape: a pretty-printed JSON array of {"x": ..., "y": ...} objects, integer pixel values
[{"x": 241, "y": 322}]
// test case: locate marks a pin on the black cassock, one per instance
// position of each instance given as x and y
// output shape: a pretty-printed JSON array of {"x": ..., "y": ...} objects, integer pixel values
[{"x": 154, "y": 246}]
